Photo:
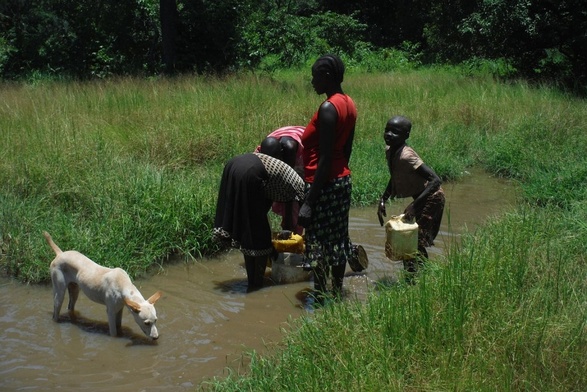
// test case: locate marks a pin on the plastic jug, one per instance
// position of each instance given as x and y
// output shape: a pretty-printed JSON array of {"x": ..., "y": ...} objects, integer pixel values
[
  {"x": 286, "y": 269},
  {"x": 402, "y": 238}
]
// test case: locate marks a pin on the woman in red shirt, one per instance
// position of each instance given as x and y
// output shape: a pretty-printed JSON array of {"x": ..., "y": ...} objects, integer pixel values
[{"x": 327, "y": 141}]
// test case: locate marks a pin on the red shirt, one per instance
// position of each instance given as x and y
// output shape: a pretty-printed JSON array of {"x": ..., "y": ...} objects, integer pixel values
[{"x": 347, "y": 117}]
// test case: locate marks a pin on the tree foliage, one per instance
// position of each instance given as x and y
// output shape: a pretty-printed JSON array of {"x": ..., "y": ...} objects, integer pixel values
[
  {"x": 540, "y": 39},
  {"x": 287, "y": 33},
  {"x": 82, "y": 38}
]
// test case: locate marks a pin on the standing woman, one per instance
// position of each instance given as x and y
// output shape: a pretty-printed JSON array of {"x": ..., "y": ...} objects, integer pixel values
[{"x": 327, "y": 141}]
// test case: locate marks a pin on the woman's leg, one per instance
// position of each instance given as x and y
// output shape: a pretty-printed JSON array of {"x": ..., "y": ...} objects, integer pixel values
[
  {"x": 337, "y": 279},
  {"x": 320, "y": 278},
  {"x": 255, "y": 266}
]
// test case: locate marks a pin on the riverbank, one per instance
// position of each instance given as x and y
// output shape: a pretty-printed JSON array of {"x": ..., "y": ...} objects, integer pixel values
[{"x": 127, "y": 170}]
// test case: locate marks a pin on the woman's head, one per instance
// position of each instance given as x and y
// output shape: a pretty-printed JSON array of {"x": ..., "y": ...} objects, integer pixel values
[
  {"x": 327, "y": 73},
  {"x": 271, "y": 146}
]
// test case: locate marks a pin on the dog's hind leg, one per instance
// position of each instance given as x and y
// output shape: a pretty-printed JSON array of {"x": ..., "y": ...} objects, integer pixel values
[
  {"x": 58, "y": 293},
  {"x": 73, "y": 289},
  {"x": 58, "y": 297}
]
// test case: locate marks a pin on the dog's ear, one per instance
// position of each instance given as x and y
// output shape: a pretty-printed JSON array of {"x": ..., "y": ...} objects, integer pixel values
[
  {"x": 152, "y": 299},
  {"x": 135, "y": 307}
]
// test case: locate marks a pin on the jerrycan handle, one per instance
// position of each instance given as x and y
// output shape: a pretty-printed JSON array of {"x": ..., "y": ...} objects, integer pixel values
[
  {"x": 397, "y": 219},
  {"x": 402, "y": 217}
]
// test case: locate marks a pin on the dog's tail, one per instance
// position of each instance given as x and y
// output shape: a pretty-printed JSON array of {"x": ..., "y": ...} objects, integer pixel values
[{"x": 52, "y": 244}]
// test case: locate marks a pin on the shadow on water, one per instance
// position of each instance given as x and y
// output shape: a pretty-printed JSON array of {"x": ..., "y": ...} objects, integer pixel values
[
  {"x": 232, "y": 286},
  {"x": 207, "y": 319},
  {"x": 90, "y": 325}
]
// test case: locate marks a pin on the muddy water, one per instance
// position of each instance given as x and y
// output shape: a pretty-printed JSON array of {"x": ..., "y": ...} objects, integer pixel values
[{"x": 207, "y": 320}]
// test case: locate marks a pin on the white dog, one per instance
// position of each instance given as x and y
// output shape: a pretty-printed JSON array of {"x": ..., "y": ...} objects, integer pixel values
[{"x": 112, "y": 287}]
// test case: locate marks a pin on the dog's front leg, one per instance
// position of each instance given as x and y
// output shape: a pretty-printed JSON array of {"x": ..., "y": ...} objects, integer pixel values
[
  {"x": 119, "y": 321},
  {"x": 114, "y": 320}
]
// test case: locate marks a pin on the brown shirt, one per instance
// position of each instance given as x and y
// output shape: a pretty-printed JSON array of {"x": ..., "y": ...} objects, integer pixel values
[{"x": 402, "y": 168}]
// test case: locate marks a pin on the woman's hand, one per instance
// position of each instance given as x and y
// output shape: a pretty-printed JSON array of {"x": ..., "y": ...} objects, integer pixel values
[
  {"x": 284, "y": 235},
  {"x": 305, "y": 215}
]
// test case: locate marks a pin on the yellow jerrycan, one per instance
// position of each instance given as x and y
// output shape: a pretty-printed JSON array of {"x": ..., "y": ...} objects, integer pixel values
[{"x": 402, "y": 238}]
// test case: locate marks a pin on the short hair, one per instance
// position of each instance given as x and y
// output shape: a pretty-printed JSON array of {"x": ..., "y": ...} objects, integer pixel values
[
  {"x": 401, "y": 124},
  {"x": 271, "y": 146}
]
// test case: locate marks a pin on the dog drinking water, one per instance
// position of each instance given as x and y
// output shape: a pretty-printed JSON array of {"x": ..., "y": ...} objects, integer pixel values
[{"x": 112, "y": 287}]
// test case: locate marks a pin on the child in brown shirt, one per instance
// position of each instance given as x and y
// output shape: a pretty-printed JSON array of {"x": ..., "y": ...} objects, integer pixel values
[{"x": 411, "y": 177}]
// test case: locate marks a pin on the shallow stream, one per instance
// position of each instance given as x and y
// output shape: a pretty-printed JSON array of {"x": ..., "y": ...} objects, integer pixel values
[{"x": 207, "y": 320}]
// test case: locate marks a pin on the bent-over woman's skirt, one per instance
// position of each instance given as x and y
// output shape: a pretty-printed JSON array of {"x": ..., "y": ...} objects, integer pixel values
[{"x": 242, "y": 207}]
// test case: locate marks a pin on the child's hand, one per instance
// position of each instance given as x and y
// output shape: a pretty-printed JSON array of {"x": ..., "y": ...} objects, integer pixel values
[
  {"x": 381, "y": 211},
  {"x": 409, "y": 212}
]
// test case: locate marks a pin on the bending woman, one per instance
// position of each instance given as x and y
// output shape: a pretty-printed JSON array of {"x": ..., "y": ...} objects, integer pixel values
[{"x": 250, "y": 184}]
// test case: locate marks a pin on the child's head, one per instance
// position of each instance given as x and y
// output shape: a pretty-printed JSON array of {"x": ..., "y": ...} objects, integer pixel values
[{"x": 397, "y": 130}]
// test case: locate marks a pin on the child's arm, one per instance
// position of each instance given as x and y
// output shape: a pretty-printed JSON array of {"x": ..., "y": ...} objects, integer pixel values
[{"x": 432, "y": 186}]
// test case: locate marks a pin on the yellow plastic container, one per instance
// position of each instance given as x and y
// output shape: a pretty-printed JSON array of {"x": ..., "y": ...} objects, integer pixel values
[
  {"x": 287, "y": 267},
  {"x": 295, "y": 244},
  {"x": 402, "y": 238}
]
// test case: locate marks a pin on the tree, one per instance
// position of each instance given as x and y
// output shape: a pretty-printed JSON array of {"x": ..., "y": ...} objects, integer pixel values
[
  {"x": 543, "y": 39},
  {"x": 82, "y": 39},
  {"x": 390, "y": 23},
  {"x": 169, "y": 17},
  {"x": 278, "y": 33}
]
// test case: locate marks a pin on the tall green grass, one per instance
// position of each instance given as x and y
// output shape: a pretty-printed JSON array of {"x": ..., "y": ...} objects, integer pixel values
[{"x": 127, "y": 172}]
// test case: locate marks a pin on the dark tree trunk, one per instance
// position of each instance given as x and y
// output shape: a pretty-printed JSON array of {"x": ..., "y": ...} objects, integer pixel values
[{"x": 169, "y": 16}]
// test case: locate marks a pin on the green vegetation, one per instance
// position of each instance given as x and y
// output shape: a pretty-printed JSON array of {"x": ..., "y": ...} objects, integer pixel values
[
  {"x": 85, "y": 39},
  {"x": 127, "y": 170}
]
